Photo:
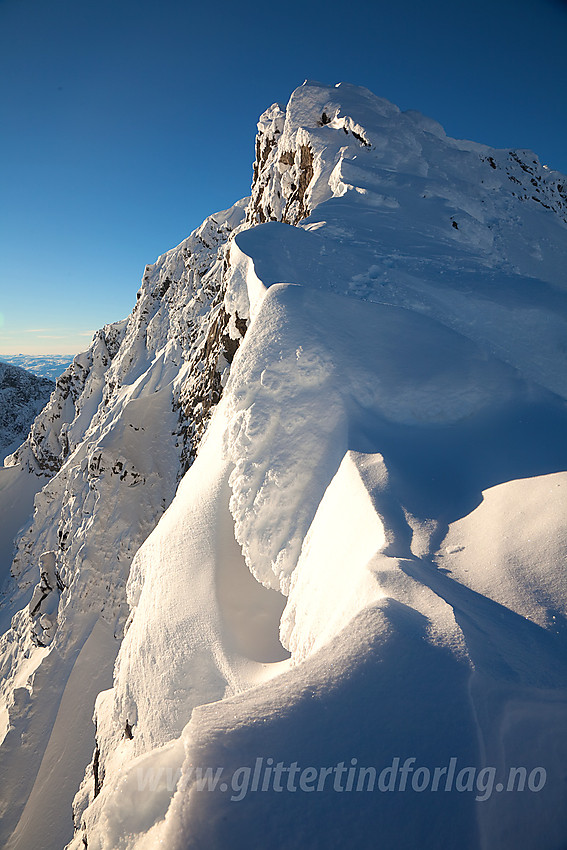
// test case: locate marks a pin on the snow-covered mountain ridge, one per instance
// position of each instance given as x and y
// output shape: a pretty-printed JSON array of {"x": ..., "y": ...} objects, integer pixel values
[
  {"x": 293, "y": 172},
  {"x": 22, "y": 396},
  {"x": 399, "y": 389},
  {"x": 43, "y": 365}
]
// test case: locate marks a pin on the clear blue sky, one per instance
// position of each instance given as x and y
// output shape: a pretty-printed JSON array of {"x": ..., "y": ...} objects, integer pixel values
[{"x": 126, "y": 122}]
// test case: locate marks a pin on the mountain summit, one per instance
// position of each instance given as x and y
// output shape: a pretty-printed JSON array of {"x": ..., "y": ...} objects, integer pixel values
[{"x": 299, "y": 536}]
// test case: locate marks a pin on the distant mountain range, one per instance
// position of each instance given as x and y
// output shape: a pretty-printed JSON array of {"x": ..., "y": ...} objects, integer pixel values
[
  {"x": 22, "y": 397},
  {"x": 43, "y": 365}
]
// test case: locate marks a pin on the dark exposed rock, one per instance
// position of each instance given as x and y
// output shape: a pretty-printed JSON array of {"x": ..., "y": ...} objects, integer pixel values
[
  {"x": 291, "y": 194},
  {"x": 296, "y": 208},
  {"x": 96, "y": 774},
  {"x": 360, "y": 139},
  {"x": 287, "y": 158}
]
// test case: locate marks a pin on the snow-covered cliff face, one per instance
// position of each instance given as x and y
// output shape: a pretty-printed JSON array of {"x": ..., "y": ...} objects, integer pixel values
[
  {"x": 364, "y": 559},
  {"x": 117, "y": 434},
  {"x": 22, "y": 396}
]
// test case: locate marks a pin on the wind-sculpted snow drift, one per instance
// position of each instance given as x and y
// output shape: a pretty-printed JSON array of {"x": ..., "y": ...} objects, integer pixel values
[{"x": 362, "y": 568}]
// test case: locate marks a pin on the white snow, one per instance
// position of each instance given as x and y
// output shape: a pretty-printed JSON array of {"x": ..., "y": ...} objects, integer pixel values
[
  {"x": 525, "y": 538},
  {"x": 366, "y": 560},
  {"x": 69, "y": 746}
]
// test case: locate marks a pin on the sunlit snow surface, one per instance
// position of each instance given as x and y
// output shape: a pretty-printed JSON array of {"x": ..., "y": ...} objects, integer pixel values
[{"x": 366, "y": 561}]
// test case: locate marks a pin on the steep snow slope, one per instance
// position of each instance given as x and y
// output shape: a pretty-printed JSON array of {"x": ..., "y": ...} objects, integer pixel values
[
  {"x": 380, "y": 638},
  {"x": 109, "y": 448},
  {"x": 382, "y": 484},
  {"x": 399, "y": 394},
  {"x": 22, "y": 396}
]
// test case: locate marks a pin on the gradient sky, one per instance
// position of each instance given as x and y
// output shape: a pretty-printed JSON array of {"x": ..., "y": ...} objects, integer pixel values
[{"x": 126, "y": 122}]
